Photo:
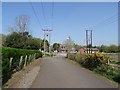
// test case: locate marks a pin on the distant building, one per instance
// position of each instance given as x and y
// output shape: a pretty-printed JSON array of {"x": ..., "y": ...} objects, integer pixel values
[
  {"x": 63, "y": 49},
  {"x": 84, "y": 50},
  {"x": 81, "y": 50}
]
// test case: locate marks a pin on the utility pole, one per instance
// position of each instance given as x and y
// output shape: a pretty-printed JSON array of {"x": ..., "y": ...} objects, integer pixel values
[
  {"x": 50, "y": 40},
  {"x": 45, "y": 30},
  {"x": 44, "y": 41},
  {"x": 89, "y": 41}
]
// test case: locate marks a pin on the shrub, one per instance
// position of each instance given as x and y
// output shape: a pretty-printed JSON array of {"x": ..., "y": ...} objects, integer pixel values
[
  {"x": 71, "y": 56},
  {"x": 117, "y": 77},
  {"x": 89, "y": 60},
  {"x": 79, "y": 57},
  {"x": 7, "y": 53},
  {"x": 94, "y": 60}
]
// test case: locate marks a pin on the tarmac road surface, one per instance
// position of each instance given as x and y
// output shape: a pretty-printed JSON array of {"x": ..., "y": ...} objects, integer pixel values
[{"x": 58, "y": 72}]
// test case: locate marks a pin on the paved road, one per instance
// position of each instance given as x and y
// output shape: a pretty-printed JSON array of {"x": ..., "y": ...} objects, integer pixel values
[{"x": 58, "y": 72}]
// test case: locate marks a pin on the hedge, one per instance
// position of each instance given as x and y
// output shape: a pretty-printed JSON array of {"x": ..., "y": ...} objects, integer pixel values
[{"x": 7, "y": 53}]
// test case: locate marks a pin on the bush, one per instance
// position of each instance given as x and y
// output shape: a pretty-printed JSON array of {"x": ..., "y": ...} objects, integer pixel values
[
  {"x": 94, "y": 60},
  {"x": 7, "y": 53},
  {"x": 117, "y": 77},
  {"x": 89, "y": 60},
  {"x": 22, "y": 40},
  {"x": 71, "y": 56}
]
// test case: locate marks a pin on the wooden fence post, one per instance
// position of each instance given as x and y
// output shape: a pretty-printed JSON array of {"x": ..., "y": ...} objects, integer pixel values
[
  {"x": 34, "y": 56},
  {"x": 108, "y": 61},
  {"x": 21, "y": 58},
  {"x": 11, "y": 62},
  {"x": 29, "y": 58},
  {"x": 25, "y": 61}
]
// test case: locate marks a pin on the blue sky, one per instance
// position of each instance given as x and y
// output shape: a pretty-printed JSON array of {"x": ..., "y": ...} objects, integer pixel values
[{"x": 70, "y": 19}]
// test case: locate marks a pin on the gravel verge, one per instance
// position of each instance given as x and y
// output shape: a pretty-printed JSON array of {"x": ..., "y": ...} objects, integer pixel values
[{"x": 25, "y": 77}]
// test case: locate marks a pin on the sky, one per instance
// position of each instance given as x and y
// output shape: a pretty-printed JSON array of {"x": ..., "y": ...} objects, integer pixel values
[{"x": 69, "y": 19}]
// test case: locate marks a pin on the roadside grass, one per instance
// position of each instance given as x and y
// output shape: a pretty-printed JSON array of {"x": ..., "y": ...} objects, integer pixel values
[
  {"x": 114, "y": 57},
  {"x": 48, "y": 55},
  {"x": 104, "y": 69},
  {"x": 110, "y": 72},
  {"x": 113, "y": 62}
]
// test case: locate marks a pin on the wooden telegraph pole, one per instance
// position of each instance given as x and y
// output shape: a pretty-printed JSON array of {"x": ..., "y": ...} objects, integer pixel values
[{"x": 45, "y": 30}]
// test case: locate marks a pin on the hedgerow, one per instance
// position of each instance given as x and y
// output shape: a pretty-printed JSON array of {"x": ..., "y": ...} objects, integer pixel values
[{"x": 7, "y": 53}]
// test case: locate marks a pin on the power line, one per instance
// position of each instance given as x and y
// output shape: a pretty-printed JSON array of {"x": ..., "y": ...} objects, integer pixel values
[
  {"x": 106, "y": 21},
  {"x": 47, "y": 25},
  {"x": 44, "y": 14},
  {"x": 52, "y": 13},
  {"x": 109, "y": 23},
  {"x": 35, "y": 14}
]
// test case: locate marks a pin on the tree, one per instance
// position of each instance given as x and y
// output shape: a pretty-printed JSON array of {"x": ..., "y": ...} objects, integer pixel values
[
  {"x": 68, "y": 44},
  {"x": 108, "y": 49},
  {"x": 32, "y": 43},
  {"x": 56, "y": 46},
  {"x": 22, "y": 23},
  {"x": 77, "y": 47},
  {"x": 13, "y": 40},
  {"x": 113, "y": 49},
  {"x": 46, "y": 45},
  {"x": 12, "y": 29},
  {"x": 21, "y": 38},
  {"x": 19, "y": 33},
  {"x": 103, "y": 48},
  {"x": 17, "y": 40},
  {"x": 3, "y": 39}
]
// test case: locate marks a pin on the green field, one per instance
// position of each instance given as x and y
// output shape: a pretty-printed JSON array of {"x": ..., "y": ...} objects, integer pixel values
[{"x": 114, "y": 56}]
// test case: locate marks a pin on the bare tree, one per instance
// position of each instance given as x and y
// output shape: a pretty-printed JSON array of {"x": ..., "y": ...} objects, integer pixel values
[
  {"x": 13, "y": 29},
  {"x": 22, "y": 23},
  {"x": 68, "y": 44}
]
